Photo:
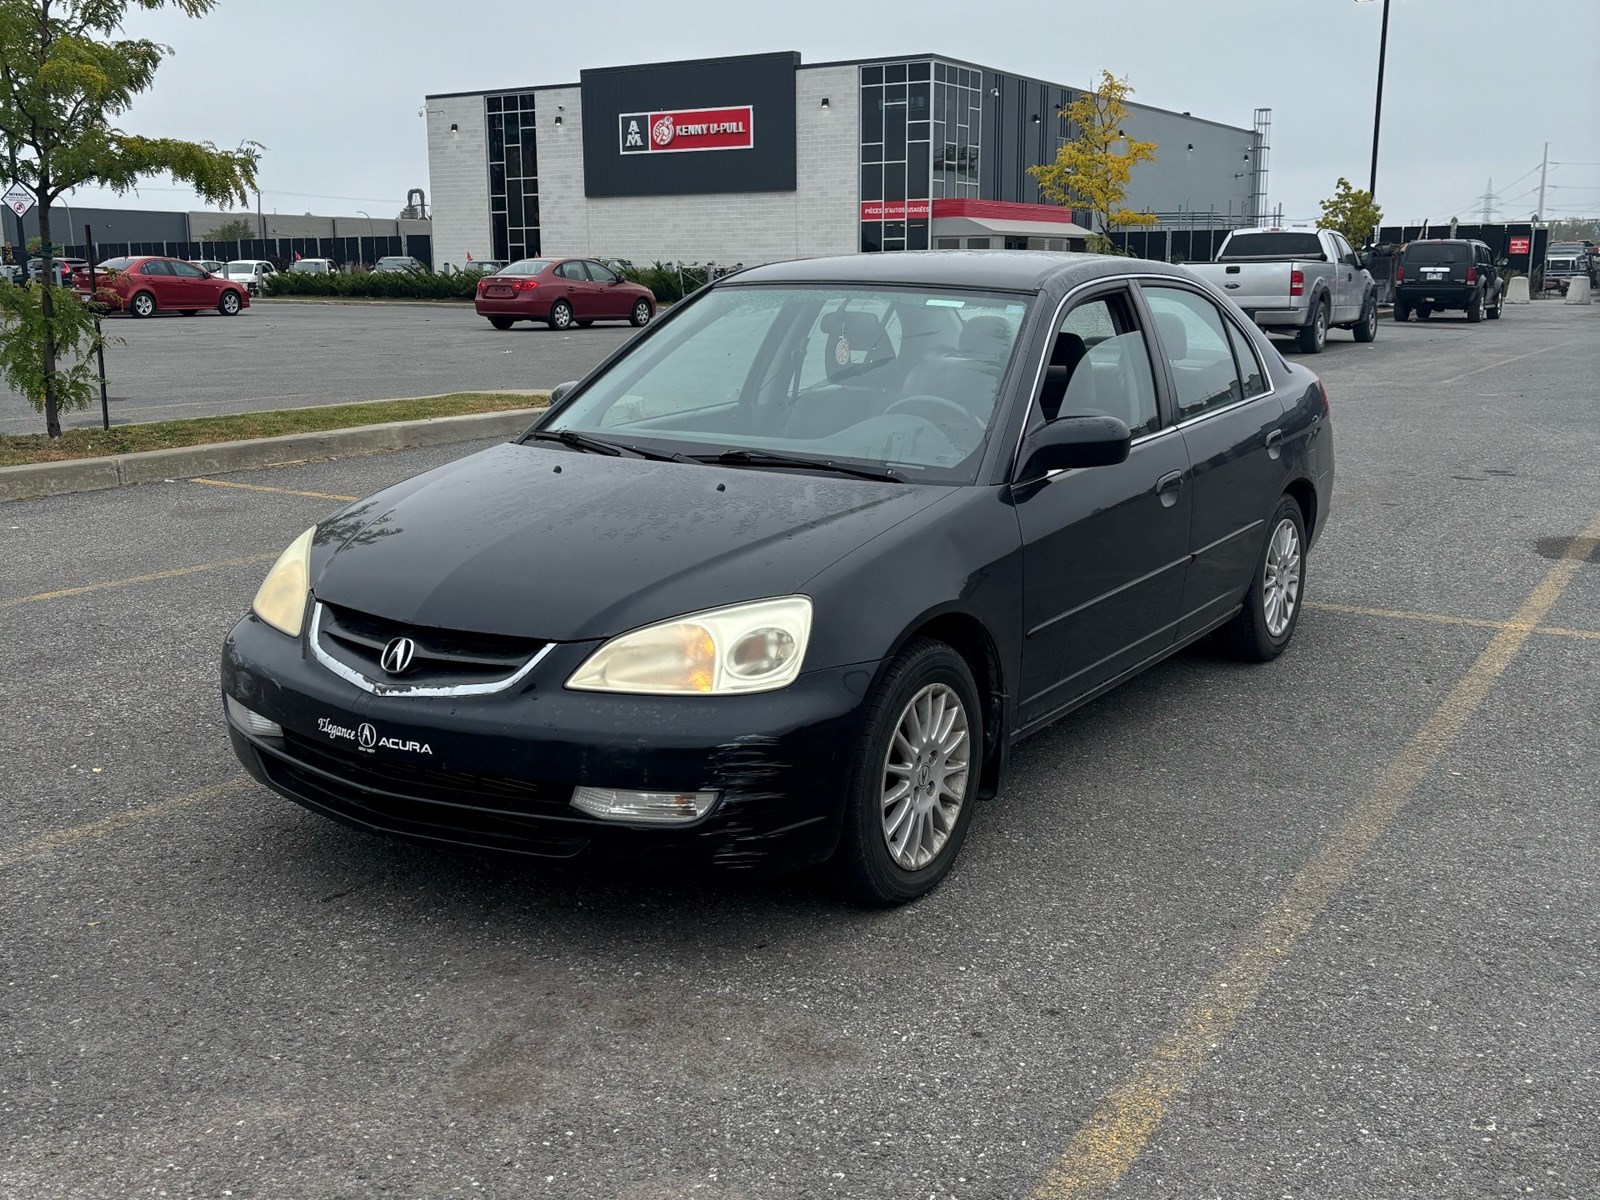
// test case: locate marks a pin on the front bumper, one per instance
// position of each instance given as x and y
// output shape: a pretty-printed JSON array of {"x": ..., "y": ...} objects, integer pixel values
[{"x": 499, "y": 770}]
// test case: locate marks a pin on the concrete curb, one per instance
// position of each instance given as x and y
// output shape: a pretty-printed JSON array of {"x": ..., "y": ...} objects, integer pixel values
[{"x": 34, "y": 480}]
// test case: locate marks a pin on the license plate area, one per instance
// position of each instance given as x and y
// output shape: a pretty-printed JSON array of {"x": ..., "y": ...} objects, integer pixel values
[{"x": 499, "y": 293}]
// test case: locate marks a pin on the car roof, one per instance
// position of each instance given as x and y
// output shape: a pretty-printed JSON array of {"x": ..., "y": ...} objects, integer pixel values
[{"x": 1002, "y": 270}]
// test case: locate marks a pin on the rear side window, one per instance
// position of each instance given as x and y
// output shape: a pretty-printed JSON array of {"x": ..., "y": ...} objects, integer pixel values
[
  {"x": 572, "y": 270},
  {"x": 1245, "y": 246},
  {"x": 525, "y": 266},
  {"x": 1424, "y": 253},
  {"x": 1195, "y": 340},
  {"x": 1255, "y": 382},
  {"x": 157, "y": 267}
]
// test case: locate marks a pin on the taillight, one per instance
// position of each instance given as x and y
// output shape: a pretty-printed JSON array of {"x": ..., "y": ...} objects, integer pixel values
[
  {"x": 1399, "y": 273},
  {"x": 1297, "y": 283},
  {"x": 1472, "y": 274},
  {"x": 483, "y": 283},
  {"x": 525, "y": 285}
]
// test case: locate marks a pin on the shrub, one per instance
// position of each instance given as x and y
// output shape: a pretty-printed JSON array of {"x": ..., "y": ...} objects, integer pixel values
[
  {"x": 666, "y": 281},
  {"x": 385, "y": 285}
]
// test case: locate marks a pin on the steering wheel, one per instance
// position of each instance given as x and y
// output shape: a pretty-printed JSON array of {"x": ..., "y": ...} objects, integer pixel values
[{"x": 938, "y": 403}]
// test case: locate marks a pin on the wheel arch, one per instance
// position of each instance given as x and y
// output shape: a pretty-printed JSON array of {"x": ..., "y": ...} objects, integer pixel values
[
  {"x": 967, "y": 636},
  {"x": 1305, "y": 495}
]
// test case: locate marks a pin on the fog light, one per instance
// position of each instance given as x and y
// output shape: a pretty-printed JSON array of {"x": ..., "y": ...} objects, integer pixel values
[
  {"x": 251, "y": 722},
  {"x": 656, "y": 808}
]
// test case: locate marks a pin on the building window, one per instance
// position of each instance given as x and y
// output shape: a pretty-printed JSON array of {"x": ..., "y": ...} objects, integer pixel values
[
  {"x": 513, "y": 176},
  {"x": 896, "y": 154},
  {"x": 957, "y": 107},
  {"x": 947, "y": 243}
]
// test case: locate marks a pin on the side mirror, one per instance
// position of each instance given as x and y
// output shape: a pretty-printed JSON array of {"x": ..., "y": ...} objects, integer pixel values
[
  {"x": 1069, "y": 442},
  {"x": 1502, "y": 261},
  {"x": 561, "y": 389}
]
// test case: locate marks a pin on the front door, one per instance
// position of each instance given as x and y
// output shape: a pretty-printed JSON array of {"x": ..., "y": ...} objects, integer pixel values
[
  {"x": 609, "y": 298},
  {"x": 190, "y": 286},
  {"x": 1232, "y": 424},
  {"x": 1105, "y": 549}
]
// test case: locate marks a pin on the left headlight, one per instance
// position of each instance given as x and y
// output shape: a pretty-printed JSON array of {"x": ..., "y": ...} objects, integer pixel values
[
  {"x": 281, "y": 599},
  {"x": 754, "y": 647}
]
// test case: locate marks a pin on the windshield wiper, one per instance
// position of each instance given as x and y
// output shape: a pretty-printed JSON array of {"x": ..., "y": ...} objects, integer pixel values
[
  {"x": 766, "y": 458},
  {"x": 582, "y": 441}
]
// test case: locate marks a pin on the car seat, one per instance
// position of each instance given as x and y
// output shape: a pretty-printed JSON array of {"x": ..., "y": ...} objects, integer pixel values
[{"x": 1065, "y": 356}]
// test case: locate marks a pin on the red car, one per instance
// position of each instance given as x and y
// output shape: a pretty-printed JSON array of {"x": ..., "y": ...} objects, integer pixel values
[
  {"x": 145, "y": 286},
  {"x": 562, "y": 292}
]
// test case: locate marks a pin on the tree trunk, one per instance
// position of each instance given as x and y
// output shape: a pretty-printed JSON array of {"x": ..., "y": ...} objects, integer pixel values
[{"x": 47, "y": 279}]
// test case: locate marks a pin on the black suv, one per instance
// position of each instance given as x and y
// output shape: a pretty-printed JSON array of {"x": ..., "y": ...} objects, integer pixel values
[{"x": 1447, "y": 273}]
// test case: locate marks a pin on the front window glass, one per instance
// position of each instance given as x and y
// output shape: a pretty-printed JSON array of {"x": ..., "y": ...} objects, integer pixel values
[
  {"x": 904, "y": 378},
  {"x": 601, "y": 274},
  {"x": 1100, "y": 366}
]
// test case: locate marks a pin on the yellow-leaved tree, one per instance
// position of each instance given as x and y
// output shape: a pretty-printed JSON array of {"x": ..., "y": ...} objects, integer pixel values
[{"x": 1092, "y": 170}]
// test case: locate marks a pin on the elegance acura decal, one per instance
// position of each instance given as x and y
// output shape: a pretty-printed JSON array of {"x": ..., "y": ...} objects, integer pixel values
[{"x": 687, "y": 129}]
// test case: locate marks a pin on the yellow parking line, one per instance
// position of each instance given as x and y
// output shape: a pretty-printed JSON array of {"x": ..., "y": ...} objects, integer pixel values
[
  {"x": 1120, "y": 1127},
  {"x": 261, "y": 487},
  {"x": 49, "y": 843},
  {"x": 174, "y": 573},
  {"x": 1402, "y": 614}
]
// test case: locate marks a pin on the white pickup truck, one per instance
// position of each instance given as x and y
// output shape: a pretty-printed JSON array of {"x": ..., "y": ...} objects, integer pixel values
[{"x": 1304, "y": 280}]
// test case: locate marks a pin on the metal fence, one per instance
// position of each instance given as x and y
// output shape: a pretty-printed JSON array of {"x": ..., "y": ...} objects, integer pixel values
[{"x": 279, "y": 251}]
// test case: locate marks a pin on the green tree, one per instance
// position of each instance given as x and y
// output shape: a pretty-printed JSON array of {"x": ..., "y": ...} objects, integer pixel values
[
  {"x": 237, "y": 229},
  {"x": 65, "y": 77},
  {"x": 1350, "y": 212},
  {"x": 1093, "y": 169}
]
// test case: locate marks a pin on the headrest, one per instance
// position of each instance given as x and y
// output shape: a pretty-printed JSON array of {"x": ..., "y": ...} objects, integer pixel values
[
  {"x": 1067, "y": 351},
  {"x": 1173, "y": 334},
  {"x": 987, "y": 334},
  {"x": 859, "y": 328}
]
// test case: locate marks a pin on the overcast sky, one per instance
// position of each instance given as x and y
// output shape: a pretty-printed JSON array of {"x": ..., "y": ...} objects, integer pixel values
[{"x": 332, "y": 89}]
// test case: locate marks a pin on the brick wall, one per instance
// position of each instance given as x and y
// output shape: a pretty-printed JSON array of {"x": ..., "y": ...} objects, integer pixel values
[{"x": 458, "y": 179}]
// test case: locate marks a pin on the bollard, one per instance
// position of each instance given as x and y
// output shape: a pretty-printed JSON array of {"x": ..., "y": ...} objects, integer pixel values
[
  {"x": 1517, "y": 290},
  {"x": 1578, "y": 291}
]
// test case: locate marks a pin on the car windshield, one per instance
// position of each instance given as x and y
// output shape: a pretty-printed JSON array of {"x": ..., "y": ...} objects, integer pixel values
[
  {"x": 241, "y": 268},
  {"x": 1426, "y": 253},
  {"x": 525, "y": 266},
  {"x": 902, "y": 378},
  {"x": 1243, "y": 246}
]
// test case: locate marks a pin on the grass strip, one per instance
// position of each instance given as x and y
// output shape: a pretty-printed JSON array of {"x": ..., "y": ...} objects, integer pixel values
[{"x": 18, "y": 449}]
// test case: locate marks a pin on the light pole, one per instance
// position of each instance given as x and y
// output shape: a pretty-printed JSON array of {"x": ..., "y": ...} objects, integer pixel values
[
  {"x": 1377, "y": 106},
  {"x": 370, "y": 236}
]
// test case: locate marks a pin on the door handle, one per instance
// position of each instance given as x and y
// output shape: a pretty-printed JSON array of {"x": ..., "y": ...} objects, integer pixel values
[
  {"x": 1275, "y": 443},
  {"x": 1167, "y": 488}
]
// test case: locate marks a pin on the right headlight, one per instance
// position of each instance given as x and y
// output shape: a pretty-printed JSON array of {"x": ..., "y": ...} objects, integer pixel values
[
  {"x": 753, "y": 647},
  {"x": 281, "y": 599}
]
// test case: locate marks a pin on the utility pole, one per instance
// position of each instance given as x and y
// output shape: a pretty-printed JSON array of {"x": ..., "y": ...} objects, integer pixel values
[
  {"x": 1544, "y": 169},
  {"x": 1488, "y": 201}
]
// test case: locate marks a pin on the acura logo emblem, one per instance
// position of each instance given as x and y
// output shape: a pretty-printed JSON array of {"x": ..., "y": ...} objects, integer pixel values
[
  {"x": 367, "y": 736},
  {"x": 397, "y": 656}
]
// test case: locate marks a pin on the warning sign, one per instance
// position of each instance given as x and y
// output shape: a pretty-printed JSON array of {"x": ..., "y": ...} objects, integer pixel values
[{"x": 18, "y": 199}]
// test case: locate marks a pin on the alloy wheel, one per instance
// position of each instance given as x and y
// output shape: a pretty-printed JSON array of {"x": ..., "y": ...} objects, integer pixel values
[
  {"x": 925, "y": 776},
  {"x": 562, "y": 316},
  {"x": 1280, "y": 583},
  {"x": 641, "y": 313}
]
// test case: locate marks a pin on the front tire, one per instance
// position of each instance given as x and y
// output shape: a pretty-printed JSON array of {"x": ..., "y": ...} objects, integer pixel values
[
  {"x": 561, "y": 315},
  {"x": 228, "y": 304},
  {"x": 1263, "y": 628},
  {"x": 641, "y": 314},
  {"x": 1314, "y": 336},
  {"x": 915, "y": 778},
  {"x": 143, "y": 304}
]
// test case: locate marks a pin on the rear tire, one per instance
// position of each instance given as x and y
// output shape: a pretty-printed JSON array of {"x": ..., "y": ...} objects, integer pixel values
[
  {"x": 1366, "y": 329},
  {"x": 891, "y": 849},
  {"x": 1314, "y": 336},
  {"x": 1475, "y": 308},
  {"x": 560, "y": 315},
  {"x": 501, "y": 322},
  {"x": 1494, "y": 313},
  {"x": 143, "y": 304},
  {"x": 1263, "y": 628}
]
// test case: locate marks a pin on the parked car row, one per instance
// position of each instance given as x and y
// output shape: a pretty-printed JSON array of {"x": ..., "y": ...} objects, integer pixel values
[{"x": 144, "y": 286}]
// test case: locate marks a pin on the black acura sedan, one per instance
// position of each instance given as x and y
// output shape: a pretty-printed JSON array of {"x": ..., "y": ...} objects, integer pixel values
[{"x": 783, "y": 580}]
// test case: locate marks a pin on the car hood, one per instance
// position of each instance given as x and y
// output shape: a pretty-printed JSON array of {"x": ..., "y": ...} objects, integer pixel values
[{"x": 536, "y": 541}]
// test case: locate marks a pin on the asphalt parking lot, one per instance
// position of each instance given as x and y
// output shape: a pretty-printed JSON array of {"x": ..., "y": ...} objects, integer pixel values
[
  {"x": 289, "y": 354},
  {"x": 1320, "y": 928}
]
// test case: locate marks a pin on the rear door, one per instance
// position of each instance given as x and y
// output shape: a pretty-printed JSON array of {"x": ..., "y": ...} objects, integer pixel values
[
  {"x": 161, "y": 282},
  {"x": 1232, "y": 425},
  {"x": 1350, "y": 288},
  {"x": 1104, "y": 548},
  {"x": 572, "y": 282}
]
